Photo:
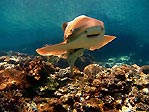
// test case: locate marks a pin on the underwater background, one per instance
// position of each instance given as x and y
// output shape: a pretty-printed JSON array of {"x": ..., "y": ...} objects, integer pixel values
[
  {"x": 26, "y": 25},
  {"x": 114, "y": 78}
]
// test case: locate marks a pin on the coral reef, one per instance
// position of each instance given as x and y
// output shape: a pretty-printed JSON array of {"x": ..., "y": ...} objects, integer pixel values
[{"x": 33, "y": 84}]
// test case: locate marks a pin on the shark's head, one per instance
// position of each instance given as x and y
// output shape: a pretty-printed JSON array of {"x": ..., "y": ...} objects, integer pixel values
[{"x": 83, "y": 25}]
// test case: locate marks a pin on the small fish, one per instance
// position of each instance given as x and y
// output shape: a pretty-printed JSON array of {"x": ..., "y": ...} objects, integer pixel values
[{"x": 80, "y": 34}]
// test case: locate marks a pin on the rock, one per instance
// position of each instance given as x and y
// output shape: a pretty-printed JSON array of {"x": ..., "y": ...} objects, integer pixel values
[{"x": 145, "y": 69}]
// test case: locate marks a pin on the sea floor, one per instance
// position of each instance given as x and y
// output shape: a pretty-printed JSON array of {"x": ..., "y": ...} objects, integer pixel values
[{"x": 44, "y": 84}]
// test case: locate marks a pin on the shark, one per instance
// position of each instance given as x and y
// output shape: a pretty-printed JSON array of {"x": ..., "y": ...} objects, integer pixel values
[{"x": 79, "y": 34}]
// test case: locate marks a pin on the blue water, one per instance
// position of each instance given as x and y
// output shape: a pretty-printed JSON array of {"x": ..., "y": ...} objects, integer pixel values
[{"x": 29, "y": 24}]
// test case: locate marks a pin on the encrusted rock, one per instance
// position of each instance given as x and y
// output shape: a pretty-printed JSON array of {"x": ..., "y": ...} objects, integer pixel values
[
  {"x": 92, "y": 69},
  {"x": 12, "y": 77},
  {"x": 34, "y": 84},
  {"x": 145, "y": 69}
]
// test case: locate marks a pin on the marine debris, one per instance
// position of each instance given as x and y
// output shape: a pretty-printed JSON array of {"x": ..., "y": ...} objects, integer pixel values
[
  {"x": 79, "y": 34},
  {"x": 33, "y": 84}
]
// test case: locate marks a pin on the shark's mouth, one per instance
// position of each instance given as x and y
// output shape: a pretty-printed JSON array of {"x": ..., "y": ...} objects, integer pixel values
[{"x": 93, "y": 35}]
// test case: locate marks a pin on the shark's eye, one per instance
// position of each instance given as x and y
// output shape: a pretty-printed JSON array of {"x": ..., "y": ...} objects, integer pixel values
[
  {"x": 71, "y": 30},
  {"x": 102, "y": 28},
  {"x": 86, "y": 31}
]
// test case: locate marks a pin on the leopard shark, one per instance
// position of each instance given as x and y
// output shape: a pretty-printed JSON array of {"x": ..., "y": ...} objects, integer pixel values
[{"x": 79, "y": 34}]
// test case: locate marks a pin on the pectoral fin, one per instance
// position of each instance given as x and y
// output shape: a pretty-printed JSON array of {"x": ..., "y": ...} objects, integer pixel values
[
  {"x": 104, "y": 40},
  {"x": 57, "y": 50}
]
